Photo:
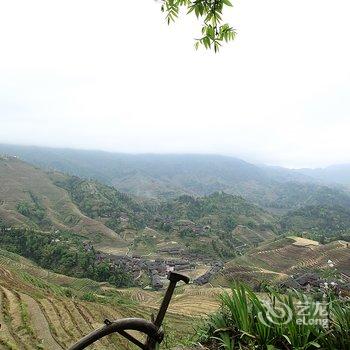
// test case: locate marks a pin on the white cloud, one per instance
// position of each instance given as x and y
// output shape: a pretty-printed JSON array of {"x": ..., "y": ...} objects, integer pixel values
[{"x": 112, "y": 75}]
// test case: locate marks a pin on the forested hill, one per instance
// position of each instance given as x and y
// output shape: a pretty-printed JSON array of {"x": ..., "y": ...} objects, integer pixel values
[
  {"x": 213, "y": 225},
  {"x": 104, "y": 203},
  {"x": 320, "y": 222},
  {"x": 50, "y": 201},
  {"x": 221, "y": 209},
  {"x": 293, "y": 195},
  {"x": 29, "y": 197},
  {"x": 147, "y": 175},
  {"x": 169, "y": 176}
]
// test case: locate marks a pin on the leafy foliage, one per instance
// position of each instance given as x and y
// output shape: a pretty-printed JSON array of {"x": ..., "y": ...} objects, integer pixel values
[
  {"x": 214, "y": 216},
  {"x": 101, "y": 201},
  {"x": 319, "y": 222},
  {"x": 62, "y": 253},
  {"x": 214, "y": 32},
  {"x": 34, "y": 211},
  {"x": 206, "y": 225},
  {"x": 220, "y": 210},
  {"x": 245, "y": 322},
  {"x": 293, "y": 195}
]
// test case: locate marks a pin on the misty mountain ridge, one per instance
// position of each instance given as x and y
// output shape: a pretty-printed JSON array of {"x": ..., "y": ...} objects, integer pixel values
[
  {"x": 339, "y": 173},
  {"x": 46, "y": 200},
  {"x": 162, "y": 176}
]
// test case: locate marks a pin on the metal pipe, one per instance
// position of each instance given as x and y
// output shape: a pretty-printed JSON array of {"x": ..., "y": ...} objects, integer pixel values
[
  {"x": 151, "y": 329},
  {"x": 133, "y": 339},
  {"x": 173, "y": 278},
  {"x": 118, "y": 326}
]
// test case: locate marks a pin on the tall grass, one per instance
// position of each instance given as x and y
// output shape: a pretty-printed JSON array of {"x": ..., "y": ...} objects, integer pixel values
[
  {"x": 290, "y": 321},
  {"x": 339, "y": 337}
]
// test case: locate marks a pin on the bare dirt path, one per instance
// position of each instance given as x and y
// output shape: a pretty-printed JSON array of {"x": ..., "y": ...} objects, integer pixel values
[{"x": 40, "y": 324}]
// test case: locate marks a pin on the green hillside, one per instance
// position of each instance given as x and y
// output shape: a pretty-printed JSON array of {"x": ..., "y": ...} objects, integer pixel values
[
  {"x": 63, "y": 253},
  {"x": 167, "y": 176},
  {"x": 213, "y": 226},
  {"x": 146, "y": 175},
  {"x": 219, "y": 210},
  {"x": 103, "y": 202},
  {"x": 28, "y": 197},
  {"x": 319, "y": 222},
  {"x": 217, "y": 225},
  {"x": 293, "y": 195}
]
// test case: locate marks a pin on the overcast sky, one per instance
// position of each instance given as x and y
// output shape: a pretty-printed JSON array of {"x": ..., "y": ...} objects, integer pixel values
[{"x": 111, "y": 75}]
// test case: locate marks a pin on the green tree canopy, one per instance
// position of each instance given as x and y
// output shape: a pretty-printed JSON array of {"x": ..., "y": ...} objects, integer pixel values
[{"x": 214, "y": 31}]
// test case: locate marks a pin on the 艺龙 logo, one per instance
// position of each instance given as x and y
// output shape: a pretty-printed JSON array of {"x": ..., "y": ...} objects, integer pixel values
[
  {"x": 304, "y": 313},
  {"x": 275, "y": 314}
]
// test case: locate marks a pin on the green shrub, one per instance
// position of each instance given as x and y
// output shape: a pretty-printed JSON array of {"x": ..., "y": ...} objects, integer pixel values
[
  {"x": 245, "y": 321},
  {"x": 89, "y": 297},
  {"x": 63, "y": 254}
]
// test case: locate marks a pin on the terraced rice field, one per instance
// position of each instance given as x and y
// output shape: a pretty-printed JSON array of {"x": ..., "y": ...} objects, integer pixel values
[
  {"x": 252, "y": 275},
  {"x": 36, "y": 321},
  {"x": 297, "y": 257},
  {"x": 42, "y": 310},
  {"x": 251, "y": 237},
  {"x": 276, "y": 261},
  {"x": 196, "y": 301},
  {"x": 187, "y": 300}
]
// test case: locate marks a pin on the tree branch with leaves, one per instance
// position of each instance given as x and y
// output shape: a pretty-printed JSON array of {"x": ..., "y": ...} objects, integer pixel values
[{"x": 214, "y": 31}]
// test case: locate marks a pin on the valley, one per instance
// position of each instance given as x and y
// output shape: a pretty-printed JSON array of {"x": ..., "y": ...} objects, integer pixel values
[{"x": 77, "y": 247}]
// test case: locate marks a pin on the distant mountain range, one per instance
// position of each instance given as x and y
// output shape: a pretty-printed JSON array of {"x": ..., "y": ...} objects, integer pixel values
[
  {"x": 155, "y": 176},
  {"x": 332, "y": 174}
]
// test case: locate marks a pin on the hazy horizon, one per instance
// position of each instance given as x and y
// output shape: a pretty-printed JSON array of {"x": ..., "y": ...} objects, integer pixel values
[
  {"x": 113, "y": 76},
  {"x": 167, "y": 153}
]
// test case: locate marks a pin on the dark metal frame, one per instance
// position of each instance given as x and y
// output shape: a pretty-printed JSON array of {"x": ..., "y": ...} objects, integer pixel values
[{"x": 151, "y": 329}]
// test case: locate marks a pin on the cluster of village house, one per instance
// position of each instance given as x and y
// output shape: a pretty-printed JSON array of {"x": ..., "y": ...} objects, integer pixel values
[
  {"x": 157, "y": 269},
  {"x": 187, "y": 225}
]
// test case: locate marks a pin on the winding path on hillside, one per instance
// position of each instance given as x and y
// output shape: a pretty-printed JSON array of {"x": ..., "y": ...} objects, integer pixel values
[{"x": 39, "y": 324}]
